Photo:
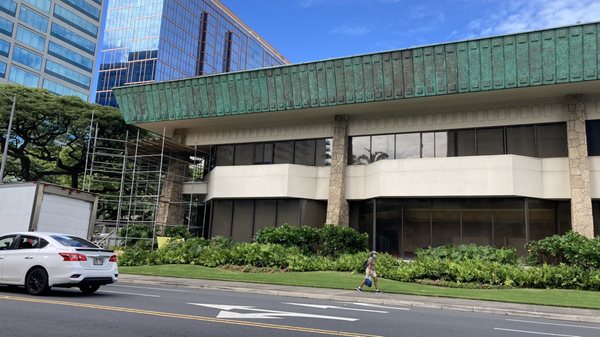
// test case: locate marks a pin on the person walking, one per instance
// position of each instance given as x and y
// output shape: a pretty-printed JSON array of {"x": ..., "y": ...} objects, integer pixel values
[{"x": 370, "y": 272}]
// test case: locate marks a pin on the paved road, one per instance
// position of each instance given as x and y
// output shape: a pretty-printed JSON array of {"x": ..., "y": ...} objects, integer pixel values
[{"x": 128, "y": 310}]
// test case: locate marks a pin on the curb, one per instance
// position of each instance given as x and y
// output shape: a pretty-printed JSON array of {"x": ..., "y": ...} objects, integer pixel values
[{"x": 592, "y": 317}]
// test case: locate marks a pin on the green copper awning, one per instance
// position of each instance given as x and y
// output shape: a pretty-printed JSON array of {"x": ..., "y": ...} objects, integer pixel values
[{"x": 553, "y": 56}]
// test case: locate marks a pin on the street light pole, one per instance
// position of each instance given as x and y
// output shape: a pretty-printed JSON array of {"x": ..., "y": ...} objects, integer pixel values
[{"x": 5, "y": 153}]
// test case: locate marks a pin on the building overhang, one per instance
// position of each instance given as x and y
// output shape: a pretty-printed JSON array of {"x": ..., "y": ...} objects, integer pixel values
[{"x": 540, "y": 64}]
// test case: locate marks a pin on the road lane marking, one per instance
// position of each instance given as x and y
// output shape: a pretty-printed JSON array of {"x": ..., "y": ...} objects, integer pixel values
[
  {"x": 185, "y": 316},
  {"x": 318, "y": 306},
  {"x": 379, "y": 306},
  {"x": 150, "y": 288},
  {"x": 124, "y": 293},
  {"x": 225, "y": 312},
  {"x": 536, "y": 332},
  {"x": 557, "y": 324}
]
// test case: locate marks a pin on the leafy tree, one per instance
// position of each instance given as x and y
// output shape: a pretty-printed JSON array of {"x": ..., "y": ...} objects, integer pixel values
[{"x": 49, "y": 134}]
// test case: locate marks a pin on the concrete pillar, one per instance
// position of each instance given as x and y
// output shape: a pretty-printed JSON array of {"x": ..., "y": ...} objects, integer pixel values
[
  {"x": 581, "y": 202},
  {"x": 337, "y": 205},
  {"x": 171, "y": 209}
]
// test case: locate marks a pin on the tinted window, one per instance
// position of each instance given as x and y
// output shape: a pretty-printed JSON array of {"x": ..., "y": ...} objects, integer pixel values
[
  {"x": 520, "y": 140},
  {"x": 322, "y": 152},
  {"x": 490, "y": 141},
  {"x": 465, "y": 143},
  {"x": 224, "y": 155},
  {"x": 244, "y": 154},
  {"x": 283, "y": 153},
  {"x": 73, "y": 241},
  {"x": 6, "y": 241},
  {"x": 304, "y": 152},
  {"x": 593, "y": 137},
  {"x": 27, "y": 242},
  {"x": 552, "y": 140}
]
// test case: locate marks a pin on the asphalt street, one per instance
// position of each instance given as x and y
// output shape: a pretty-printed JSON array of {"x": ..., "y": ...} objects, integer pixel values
[{"x": 131, "y": 310}]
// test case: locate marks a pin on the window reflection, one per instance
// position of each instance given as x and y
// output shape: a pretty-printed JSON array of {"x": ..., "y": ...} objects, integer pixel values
[
  {"x": 382, "y": 147},
  {"x": 427, "y": 145},
  {"x": 361, "y": 150},
  {"x": 408, "y": 145}
]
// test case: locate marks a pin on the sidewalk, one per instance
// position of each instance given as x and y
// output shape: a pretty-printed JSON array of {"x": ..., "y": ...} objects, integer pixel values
[{"x": 509, "y": 309}]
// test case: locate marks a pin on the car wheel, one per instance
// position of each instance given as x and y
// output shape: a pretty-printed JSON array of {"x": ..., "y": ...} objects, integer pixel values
[
  {"x": 36, "y": 282},
  {"x": 89, "y": 288}
]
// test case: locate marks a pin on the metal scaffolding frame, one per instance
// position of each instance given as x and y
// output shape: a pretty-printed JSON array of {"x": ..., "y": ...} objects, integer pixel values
[{"x": 140, "y": 182}]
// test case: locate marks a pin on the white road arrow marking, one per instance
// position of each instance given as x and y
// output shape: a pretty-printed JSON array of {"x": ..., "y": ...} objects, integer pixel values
[
  {"x": 379, "y": 306},
  {"x": 336, "y": 307},
  {"x": 226, "y": 312}
]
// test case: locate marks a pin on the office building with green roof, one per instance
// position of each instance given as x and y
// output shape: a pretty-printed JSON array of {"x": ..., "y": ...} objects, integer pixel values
[{"x": 493, "y": 141}]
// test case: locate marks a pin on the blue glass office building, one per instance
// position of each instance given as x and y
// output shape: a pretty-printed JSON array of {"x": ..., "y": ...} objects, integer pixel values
[
  {"x": 50, "y": 44},
  {"x": 159, "y": 40}
]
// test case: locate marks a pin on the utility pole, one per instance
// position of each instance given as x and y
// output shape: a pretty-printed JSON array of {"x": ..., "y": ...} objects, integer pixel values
[{"x": 5, "y": 153}]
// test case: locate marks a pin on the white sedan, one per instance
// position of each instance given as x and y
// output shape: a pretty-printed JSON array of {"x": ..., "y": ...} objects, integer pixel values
[{"x": 39, "y": 261}]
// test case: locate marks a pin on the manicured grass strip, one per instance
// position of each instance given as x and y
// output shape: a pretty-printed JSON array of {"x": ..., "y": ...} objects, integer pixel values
[{"x": 340, "y": 280}]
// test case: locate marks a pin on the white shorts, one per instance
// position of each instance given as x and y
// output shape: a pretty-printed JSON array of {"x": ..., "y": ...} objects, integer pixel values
[{"x": 371, "y": 273}]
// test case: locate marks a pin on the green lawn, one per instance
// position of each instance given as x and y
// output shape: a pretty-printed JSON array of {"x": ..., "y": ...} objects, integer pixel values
[{"x": 339, "y": 280}]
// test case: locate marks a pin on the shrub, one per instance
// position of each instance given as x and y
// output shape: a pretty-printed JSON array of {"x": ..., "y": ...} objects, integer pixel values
[
  {"x": 470, "y": 252},
  {"x": 571, "y": 248},
  {"x": 177, "y": 232},
  {"x": 136, "y": 234},
  {"x": 330, "y": 240}
]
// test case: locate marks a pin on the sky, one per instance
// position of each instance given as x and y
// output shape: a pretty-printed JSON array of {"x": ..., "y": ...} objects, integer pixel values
[{"x": 310, "y": 30}]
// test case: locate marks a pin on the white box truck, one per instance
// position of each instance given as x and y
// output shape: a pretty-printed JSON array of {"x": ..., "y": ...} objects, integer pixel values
[{"x": 42, "y": 207}]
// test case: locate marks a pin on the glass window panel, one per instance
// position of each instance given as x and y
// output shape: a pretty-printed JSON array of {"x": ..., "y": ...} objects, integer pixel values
[
  {"x": 27, "y": 57},
  {"x": 490, "y": 141},
  {"x": 244, "y": 154},
  {"x": 67, "y": 74},
  {"x": 389, "y": 226},
  {"x": 596, "y": 215},
  {"x": 382, "y": 147},
  {"x": 85, "y": 8},
  {"x": 408, "y": 145},
  {"x": 313, "y": 213},
  {"x": 6, "y": 27},
  {"x": 321, "y": 152},
  {"x": 224, "y": 155},
  {"x": 222, "y": 217},
  {"x": 509, "y": 224},
  {"x": 564, "y": 216},
  {"x": 23, "y": 77},
  {"x": 416, "y": 226},
  {"x": 361, "y": 218},
  {"x": 2, "y": 69},
  {"x": 288, "y": 212},
  {"x": 552, "y": 140},
  {"x": 304, "y": 152},
  {"x": 427, "y": 145},
  {"x": 42, "y": 5},
  {"x": 265, "y": 214},
  {"x": 243, "y": 216},
  {"x": 593, "y": 137},
  {"x": 33, "y": 19},
  {"x": 73, "y": 38},
  {"x": 442, "y": 146},
  {"x": 62, "y": 90},
  {"x": 477, "y": 221},
  {"x": 520, "y": 140},
  {"x": 283, "y": 153},
  {"x": 70, "y": 56},
  {"x": 445, "y": 222},
  {"x": 4, "y": 48},
  {"x": 259, "y": 153},
  {"x": 542, "y": 219},
  {"x": 360, "y": 149},
  {"x": 75, "y": 20},
  {"x": 465, "y": 143},
  {"x": 30, "y": 38},
  {"x": 8, "y": 6}
]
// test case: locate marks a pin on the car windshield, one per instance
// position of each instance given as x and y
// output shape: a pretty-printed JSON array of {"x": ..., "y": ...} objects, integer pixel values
[{"x": 73, "y": 241}]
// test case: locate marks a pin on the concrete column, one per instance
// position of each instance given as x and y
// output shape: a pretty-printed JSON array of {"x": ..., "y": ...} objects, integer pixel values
[
  {"x": 581, "y": 202},
  {"x": 171, "y": 210},
  {"x": 337, "y": 205}
]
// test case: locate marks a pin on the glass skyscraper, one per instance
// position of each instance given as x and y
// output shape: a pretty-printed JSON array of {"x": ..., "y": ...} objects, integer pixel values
[
  {"x": 50, "y": 44},
  {"x": 159, "y": 40}
]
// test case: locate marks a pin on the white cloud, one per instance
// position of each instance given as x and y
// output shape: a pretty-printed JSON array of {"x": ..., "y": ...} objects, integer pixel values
[
  {"x": 525, "y": 15},
  {"x": 346, "y": 30}
]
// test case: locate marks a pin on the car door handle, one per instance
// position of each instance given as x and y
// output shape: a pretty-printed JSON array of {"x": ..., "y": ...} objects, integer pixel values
[
  {"x": 28, "y": 257},
  {"x": 1, "y": 257}
]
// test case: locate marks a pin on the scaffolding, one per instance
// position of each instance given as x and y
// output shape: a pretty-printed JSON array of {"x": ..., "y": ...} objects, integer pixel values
[{"x": 140, "y": 182}]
